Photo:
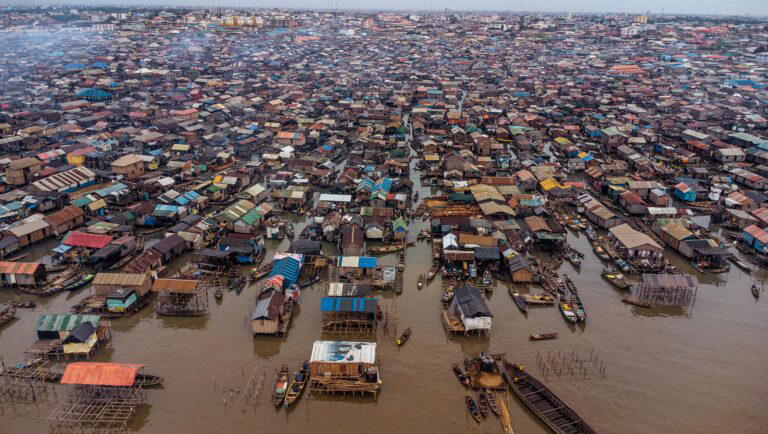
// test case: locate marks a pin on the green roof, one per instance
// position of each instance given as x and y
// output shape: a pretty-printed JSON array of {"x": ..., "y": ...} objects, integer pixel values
[
  {"x": 57, "y": 322},
  {"x": 251, "y": 216},
  {"x": 399, "y": 224},
  {"x": 83, "y": 201}
]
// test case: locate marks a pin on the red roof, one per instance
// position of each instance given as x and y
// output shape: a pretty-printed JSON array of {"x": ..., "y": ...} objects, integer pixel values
[
  {"x": 92, "y": 241},
  {"x": 100, "y": 374},
  {"x": 27, "y": 268}
]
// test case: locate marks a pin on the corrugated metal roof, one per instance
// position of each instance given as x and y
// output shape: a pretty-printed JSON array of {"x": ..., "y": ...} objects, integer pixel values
[
  {"x": 100, "y": 374},
  {"x": 26, "y": 268},
  {"x": 56, "y": 322},
  {"x": 343, "y": 352},
  {"x": 120, "y": 279},
  {"x": 348, "y": 304},
  {"x": 82, "y": 239}
]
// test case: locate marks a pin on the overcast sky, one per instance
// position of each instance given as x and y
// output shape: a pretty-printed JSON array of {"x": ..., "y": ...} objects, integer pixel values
[{"x": 753, "y": 7}]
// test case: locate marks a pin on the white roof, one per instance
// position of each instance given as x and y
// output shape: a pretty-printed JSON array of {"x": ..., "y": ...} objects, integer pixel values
[
  {"x": 343, "y": 352},
  {"x": 255, "y": 189},
  {"x": 327, "y": 197},
  {"x": 662, "y": 211},
  {"x": 166, "y": 181}
]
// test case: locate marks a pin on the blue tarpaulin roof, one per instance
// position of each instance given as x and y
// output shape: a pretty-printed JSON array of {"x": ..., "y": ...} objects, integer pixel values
[
  {"x": 357, "y": 261},
  {"x": 347, "y": 304},
  {"x": 289, "y": 268},
  {"x": 384, "y": 184},
  {"x": 62, "y": 248},
  {"x": 186, "y": 197}
]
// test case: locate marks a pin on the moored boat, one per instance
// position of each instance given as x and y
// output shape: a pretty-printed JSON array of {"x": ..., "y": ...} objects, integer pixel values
[
  {"x": 433, "y": 270},
  {"x": 574, "y": 259},
  {"x": 386, "y": 248},
  {"x": 493, "y": 402},
  {"x": 80, "y": 282},
  {"x": 520, "y": 302},
  {"x": 7, "y": 311},
  {"x": 543, "y": 402},
  {"x": 282, "y": 378},
  {"x": 616, "y": 279},
  {"x": 567, "y": 312},
  {"x": 544, "y": 299},
  {"x": 472, "y": 408},
  {"x": 297, "y": 385},
  {"x": 482, "y": 402},
  {"x": 463, "y": 379}
]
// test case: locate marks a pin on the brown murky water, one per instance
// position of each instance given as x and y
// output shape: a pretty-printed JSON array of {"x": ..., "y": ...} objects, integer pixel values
[{"x": 667, "y": 371}]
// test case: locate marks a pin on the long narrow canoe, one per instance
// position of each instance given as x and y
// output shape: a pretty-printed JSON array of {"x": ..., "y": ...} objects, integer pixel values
[{"x": 543, "y": 402}]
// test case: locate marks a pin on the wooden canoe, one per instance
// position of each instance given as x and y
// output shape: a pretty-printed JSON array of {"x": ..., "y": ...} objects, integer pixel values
[
  {"x": 390, "y": 248},
  {"x": 520, "y": 302},
  {"x": 463, "y": 379},
  {"x": 282, "y": 378},
  {"x": 543, "y": 402},
  {"x": 297, "y": 385},
  {"x": 80, "y": 282},
  {"x": 638, "y": 303},
  {"x": 7, "y": 311},
  {"x": 616, "y": 279},
  {"x": 472, "y": 408},
  {"x": 482, "y": 402},
  {"x": 493, "y": 402},
  {"x": 404, "y": 337},
  {"x": 543, "y": 336}
]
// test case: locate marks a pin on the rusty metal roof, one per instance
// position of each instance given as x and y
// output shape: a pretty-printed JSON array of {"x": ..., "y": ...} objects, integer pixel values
[
  {"x": 120, "y": 279},
  {"x": 185, "y": 286},
  {"x": 100, "y": 374}
]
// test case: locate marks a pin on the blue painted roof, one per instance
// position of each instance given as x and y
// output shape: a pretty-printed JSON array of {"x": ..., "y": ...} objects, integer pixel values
[
  {"x": 93, "y": 93},
  {"x": 384, "y": 184},
  {"x": 289, "y": 268},
  {"x": 367, "y": 262},
  {"x": 347, "y": 304}
]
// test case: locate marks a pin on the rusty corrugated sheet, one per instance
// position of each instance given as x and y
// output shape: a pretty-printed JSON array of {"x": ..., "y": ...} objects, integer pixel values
[
  {"x": 120, "y": 279},
  {"x": 186, "y": 286},
  {"x": 100, "y": 374}
]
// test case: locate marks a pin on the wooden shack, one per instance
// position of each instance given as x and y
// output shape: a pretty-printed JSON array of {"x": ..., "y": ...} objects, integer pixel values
[
  {"x": 105, "y": 283},
  {"x": 342, "y": 367},
  {"x": 169, "y": 247},
  {"x": 29, "y": 274},
  {"x": 267, "y": 315},
  {"x": 180, "y": 297},
  {"x": 520, "y": 269},
  {"x": 65, "y": 219},
  {"x": 31, "y": 232},
  {"x": 349, "y": 314}
]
